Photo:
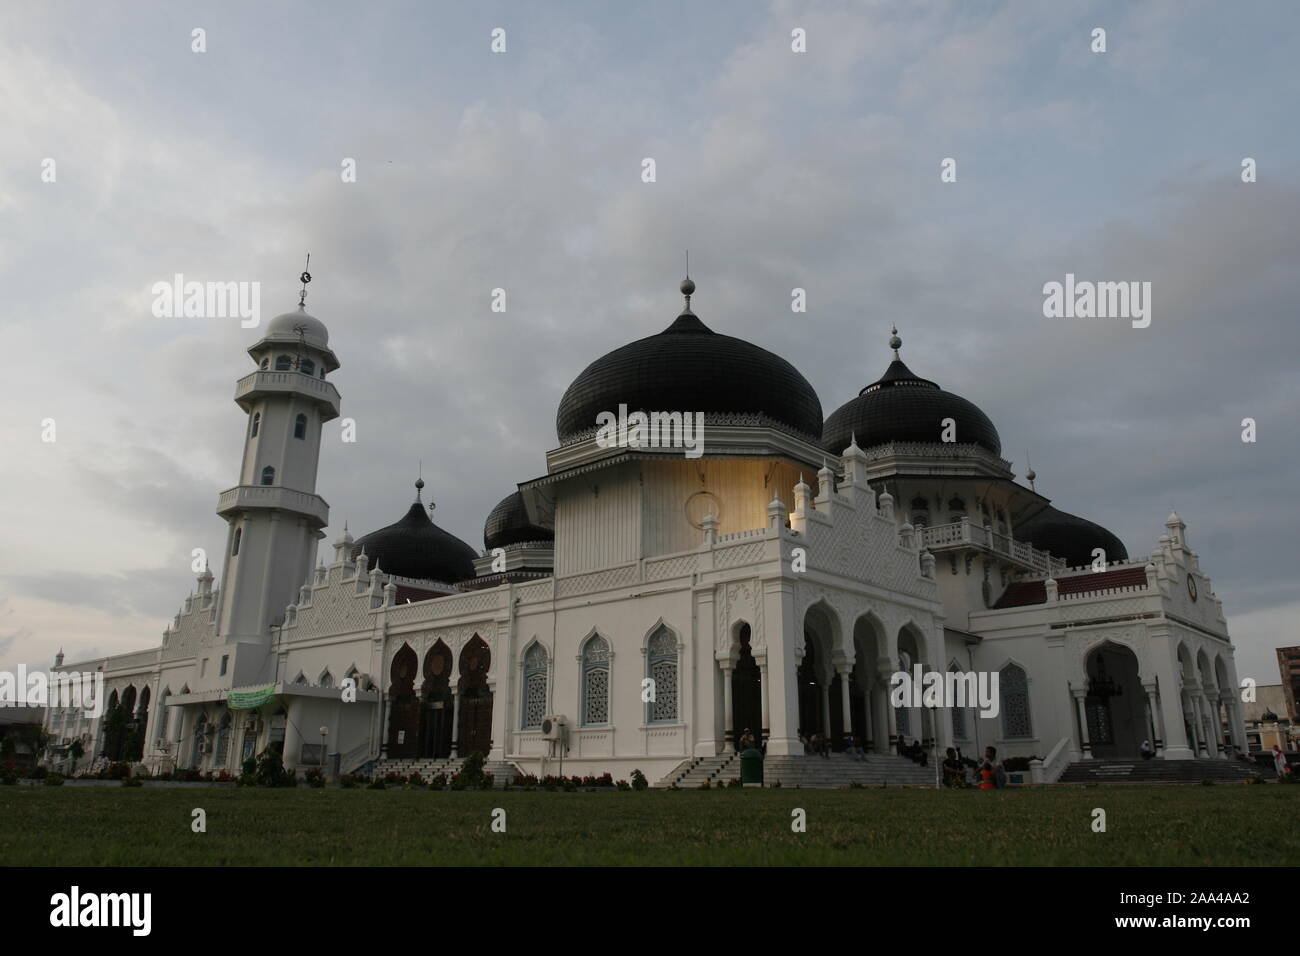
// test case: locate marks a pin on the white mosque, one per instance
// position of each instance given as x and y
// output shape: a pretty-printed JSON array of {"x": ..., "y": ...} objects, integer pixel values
[{"x": 637, "y": 608}]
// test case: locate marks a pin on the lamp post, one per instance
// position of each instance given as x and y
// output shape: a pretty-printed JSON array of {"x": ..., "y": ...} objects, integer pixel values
[{"x": 324, "y": 732}]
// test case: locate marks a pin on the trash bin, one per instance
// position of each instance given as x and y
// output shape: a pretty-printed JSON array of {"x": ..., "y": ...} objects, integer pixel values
[{"x": 751, "y": 768}]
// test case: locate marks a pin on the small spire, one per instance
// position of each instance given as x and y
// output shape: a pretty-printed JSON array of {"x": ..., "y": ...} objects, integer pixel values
[
  {"x": 304, "y": 278},
  {"x": 1030, "y": 474},
  {"x": 688, "y": 286},
  {"x": 895, "y": 342}
]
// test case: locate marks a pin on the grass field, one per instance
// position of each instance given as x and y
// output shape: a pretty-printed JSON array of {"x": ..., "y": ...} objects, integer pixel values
[{"x": 1145, "y": 826}]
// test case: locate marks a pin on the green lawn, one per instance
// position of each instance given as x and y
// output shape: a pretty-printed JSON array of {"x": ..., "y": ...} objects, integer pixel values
[{"x": 1146, "y": 826}]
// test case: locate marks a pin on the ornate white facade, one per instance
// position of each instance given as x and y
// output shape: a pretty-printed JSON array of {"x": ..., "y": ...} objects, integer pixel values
[{"x": 744, "y": 597}]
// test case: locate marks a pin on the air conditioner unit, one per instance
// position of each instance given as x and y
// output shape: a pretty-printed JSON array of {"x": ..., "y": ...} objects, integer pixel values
[{"x": 555, "y": 727}]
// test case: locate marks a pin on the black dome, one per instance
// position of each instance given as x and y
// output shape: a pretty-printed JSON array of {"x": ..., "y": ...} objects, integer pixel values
[
  {"x": 1070, "y": 537},
  {"x": 903, "y": 407},
  {"x": 415, "y": 547},
  {"x": 690, "y": 368},
  {"x": 508, "y": 524}
]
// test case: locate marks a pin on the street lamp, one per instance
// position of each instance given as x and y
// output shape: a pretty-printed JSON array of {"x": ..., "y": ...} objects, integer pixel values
[{"x": 324, "y": 732}]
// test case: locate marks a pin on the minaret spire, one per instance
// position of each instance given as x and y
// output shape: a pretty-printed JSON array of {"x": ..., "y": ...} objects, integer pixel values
[
  {"x": 304, "y": 278},
  {"x": 895, "y": 342}
]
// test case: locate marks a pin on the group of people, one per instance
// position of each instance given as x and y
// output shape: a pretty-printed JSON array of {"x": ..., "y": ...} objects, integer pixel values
[
  {"x": 986, "y": 774},
  {"x": 913, "y": 751},
  {"x": 820, "y": 744}
]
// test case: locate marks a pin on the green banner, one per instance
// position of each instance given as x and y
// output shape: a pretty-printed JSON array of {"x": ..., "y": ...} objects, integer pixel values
[{"x": 248, "y": 699}]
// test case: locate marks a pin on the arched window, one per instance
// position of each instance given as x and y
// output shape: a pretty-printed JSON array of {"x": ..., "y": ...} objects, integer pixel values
[
  {"x": 534, "y": 688},
  {"x": 307, "y": 367},
  {"x": 257, "y": 424},
  {"x": 903, "y": 715},
  {"x": 595, "y": 681},
  {"x": 322, "y": 371},
  {"x": 300, "y": 426},
  {"x": 920, "y": 513},
  {"x": 956, "y": 509},
  {"x": 661, "y": 667},
  {"x": 234, "y": 548},
  {"x": 268, "y": 475},
  {"x": 223, "y": 742},
  {"x": 283, "y": 363},
  {"x": 266, "y": 362},
  {"x": 327, "y": 679},
  {"x": 1013, "y": 687},
  {"x": 200, "y": 738},
  {"x": 958, "y": 713}
]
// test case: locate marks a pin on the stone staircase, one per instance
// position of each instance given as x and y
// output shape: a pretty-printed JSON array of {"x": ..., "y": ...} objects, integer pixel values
[
  {"x": 809, "y": 772},
  {"x": 1160, "y": 771},
  {"x": 428, "y": 767},
  {"x": 694, "y": 773}
]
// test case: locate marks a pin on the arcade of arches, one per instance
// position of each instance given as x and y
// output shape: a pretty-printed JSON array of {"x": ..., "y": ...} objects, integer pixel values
[{"x": 443, "y": 719}]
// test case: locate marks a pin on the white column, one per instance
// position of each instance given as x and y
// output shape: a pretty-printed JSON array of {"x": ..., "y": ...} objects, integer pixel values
[
  {"x": 846, "y": 704},
  {"x": 762, "y": 686},
  {"x": 455, "y": 723},
  {"x": 826, "y": 709},
  {"x": 1085, "y": 745},
  {"x": 782, "y": 633},
  {"x": 728, "y": 732},
  {"x": 1153, "y": 719}
]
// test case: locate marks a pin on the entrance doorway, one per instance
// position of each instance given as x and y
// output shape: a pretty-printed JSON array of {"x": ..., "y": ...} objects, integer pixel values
[
  {"x": 746, "y": 694},
  {"x": 475, "y": 719},
  {"x": 1116, "y": 705}
]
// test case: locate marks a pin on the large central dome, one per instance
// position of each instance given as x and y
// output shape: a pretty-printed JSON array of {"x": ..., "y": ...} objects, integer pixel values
[{"x": 690, "y": 368}]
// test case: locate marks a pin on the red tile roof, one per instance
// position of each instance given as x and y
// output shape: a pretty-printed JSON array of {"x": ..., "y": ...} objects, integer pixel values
[{"x": 1024, "y": 593}]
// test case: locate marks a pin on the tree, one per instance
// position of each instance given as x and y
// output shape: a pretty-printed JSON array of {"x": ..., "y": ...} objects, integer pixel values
[{"x": 76, "y": 752}]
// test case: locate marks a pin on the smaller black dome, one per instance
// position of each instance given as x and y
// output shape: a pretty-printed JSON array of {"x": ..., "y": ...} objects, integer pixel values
[
  {"x": 1070, "y": 537},
  {"x": 415, "y": 547},
  {"x": 508, "y": 524},
  {"x": 902, "y": 406}
]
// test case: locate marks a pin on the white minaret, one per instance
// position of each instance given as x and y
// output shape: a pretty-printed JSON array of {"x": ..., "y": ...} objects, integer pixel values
[{"x": 274, "y": 513}]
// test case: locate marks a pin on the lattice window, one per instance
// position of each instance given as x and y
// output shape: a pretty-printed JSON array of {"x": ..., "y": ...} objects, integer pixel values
[
  {"x": 223, "y": 742},
  {"x": 661, "y": 654},
  {"x": 595, "y": 681},
  {"x": 534, "y": 687},
  {"x": 1014, "y": 690}
]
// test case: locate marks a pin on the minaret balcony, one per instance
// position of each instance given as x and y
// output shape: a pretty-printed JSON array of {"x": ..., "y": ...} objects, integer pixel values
[
  {"x": 273, "y": 497},
  {"x": 962, "y": 535},
  {"x": 265, "y": 383}
]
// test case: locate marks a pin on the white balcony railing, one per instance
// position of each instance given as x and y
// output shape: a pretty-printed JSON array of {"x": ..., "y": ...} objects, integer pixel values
[
  {"x": 274, "y": 496},
  {"x": 963, "y": 534},
  {"x": 284, "y": 382}
]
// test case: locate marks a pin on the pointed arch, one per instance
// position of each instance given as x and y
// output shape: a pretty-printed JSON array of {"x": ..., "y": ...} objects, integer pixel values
[
  {"x": 595, "y": 657},
  {"x": 536, "y": 664},
  {"x": 661, "y": 668},
  {"x": 1014, "y": 701},
  {"x": 474, "y": 722}
]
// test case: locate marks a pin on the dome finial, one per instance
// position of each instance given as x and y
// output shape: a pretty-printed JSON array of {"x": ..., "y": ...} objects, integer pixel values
[
  {"x": 1030, "y": 474},
  {"x": 895, "y": 342},
  {"x": 688, "y": 286},
  {"x": 304, "y": 278}
]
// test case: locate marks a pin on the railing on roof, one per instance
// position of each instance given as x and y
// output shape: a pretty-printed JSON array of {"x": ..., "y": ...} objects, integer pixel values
[{"x": 963, "y": 534}]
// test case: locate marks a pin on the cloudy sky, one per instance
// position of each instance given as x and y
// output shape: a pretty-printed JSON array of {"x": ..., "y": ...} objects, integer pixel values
[{"x": 522, "y": 170}]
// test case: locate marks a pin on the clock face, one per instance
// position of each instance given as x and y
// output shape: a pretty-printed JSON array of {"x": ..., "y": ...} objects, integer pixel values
[{"x": 1191, "y": 586}]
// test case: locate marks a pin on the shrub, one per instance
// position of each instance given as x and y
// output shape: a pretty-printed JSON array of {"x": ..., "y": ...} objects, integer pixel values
[
  {"x": 438, "y": 781},
  {"x": 377, "y": 784},
  {"x": 623, "y": 785},
  {"x": 1289, "y": 778},
  {"x": 132, "y": 782},
  {"x": 38, "y": 773},
  {"x": 639, "y": 782},
  {"x": 119, "y": 771},
  {"x": 1016, "y": 764},
  {"x": 415, "y": 780},
  {"x": 394, "y": 779},
  {"x": 190, "y": 775},
  {"x": 314, "y": 778},
  {"x": 53, "y": 779},
  {"x": 471, "y": 771},
  {"x": 1255, "y": 778},
  {"x": 524, "y": 780},
  {"x": 1207, "y": 782},
  {"x": 8, "y": 774},
  {"x": 734, "y": 783},
  {"x": 705, "y": 786}
]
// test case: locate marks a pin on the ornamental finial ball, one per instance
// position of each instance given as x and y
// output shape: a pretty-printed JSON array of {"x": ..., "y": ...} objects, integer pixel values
[
  {"x": 895, "y": 342},
  {"x": 1031, "y": 474},
  {"x": 688, "y": 286}
]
